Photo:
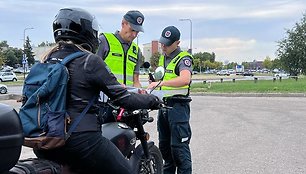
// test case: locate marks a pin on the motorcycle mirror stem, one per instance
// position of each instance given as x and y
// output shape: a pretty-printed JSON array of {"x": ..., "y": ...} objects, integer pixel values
[
  {"x": 155, "y": 87},
  {"x": 151, "y": 78},
  {"x": 159, "y": 74}
]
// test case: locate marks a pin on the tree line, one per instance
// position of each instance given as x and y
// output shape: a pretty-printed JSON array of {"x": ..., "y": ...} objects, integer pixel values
[
  {"x": 291, "y": 54},
  {"x": 206, "y": 61},
  {"x": 14, "y": 56}
]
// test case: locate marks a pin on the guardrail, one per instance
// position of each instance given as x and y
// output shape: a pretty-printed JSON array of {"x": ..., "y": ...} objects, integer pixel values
[{"x": 255, "y": 79}]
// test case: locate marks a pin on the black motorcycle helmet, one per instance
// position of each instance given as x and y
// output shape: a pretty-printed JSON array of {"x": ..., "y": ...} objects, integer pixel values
[{"x": 76, "y": 25}]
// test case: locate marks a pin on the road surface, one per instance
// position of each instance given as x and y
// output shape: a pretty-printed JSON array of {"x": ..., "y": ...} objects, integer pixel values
[{"x": 242, "y": 135}]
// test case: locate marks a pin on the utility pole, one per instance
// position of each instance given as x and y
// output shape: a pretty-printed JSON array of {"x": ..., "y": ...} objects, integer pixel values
[
  {"x": 190, "y": 49},
  {"x": 24, "y": 57}
]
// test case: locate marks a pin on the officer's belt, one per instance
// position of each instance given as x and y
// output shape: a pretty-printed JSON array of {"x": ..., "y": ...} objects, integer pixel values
[{"x": 170, "y": 101}]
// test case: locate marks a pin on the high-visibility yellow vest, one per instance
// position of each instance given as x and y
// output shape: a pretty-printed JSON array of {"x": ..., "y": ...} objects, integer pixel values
[
  {"x": 121, "y": 64},
  {"x": 170, "y": 74}
]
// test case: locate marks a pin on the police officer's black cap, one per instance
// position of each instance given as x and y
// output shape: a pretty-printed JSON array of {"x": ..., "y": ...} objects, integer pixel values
[
  {"x": 169, "y": 35},
  {"x": 135, "y": 19}
]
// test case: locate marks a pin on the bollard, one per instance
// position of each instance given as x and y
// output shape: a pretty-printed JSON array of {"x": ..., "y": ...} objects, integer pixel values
[
  {"x": 234, "y": 80},
  {"x": 204, "y": 81},
  {"x": 255, "y": 79},
  {"x": 221, "y": 80},
  {"x": 274, "y": 79}
]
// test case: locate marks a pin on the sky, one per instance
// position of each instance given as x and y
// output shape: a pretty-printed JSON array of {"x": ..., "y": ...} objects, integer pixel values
[{"x": 236, "y": 31}]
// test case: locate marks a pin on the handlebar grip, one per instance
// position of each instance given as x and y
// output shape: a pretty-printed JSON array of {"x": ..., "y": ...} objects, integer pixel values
[
  {"x": 151, "y": 77},
  {"x": 150, "y": 119}
]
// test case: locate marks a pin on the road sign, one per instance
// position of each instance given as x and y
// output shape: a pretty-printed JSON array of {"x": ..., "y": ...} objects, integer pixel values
[{"x": 24, "y": 59}]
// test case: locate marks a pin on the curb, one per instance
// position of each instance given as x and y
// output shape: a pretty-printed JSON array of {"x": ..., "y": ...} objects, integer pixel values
[
  {"x": 250, "y": 94},
  {"x": 10, "y": 96}
]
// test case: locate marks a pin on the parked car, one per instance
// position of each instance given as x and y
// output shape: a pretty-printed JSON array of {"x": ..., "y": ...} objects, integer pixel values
[
  {"x": 281, "y": 74},
  {"x": 195, "y": 72},
  {"x": 248, "y": 73},
  {"x": 3, "y": 89},
  {"x": 7, "y": 76},
  {"x": 223, "y": 73},
  {"x": 21, "y": 70}
]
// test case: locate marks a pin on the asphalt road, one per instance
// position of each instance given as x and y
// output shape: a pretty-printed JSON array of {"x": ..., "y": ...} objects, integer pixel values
[{"x": 242, "y": 135}]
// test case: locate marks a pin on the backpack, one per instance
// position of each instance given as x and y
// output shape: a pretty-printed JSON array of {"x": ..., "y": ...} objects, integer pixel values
[{"x": 43, "y": 112}]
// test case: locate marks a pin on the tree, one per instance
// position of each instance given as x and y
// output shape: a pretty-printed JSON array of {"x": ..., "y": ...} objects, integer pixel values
[
  {"x": 230, "y": 65},
  {"x": 267, "y": 63},
  {"x": 204, "y": 56},
  {"x": 28, "y": 51},
  {"x": 154, "y": 60},
  {"x": 12, "y": 56},
  {"x": 1, "y": 59},
  {"x": 209, "y": 65},
  {"x": 276, "y": 64},
  {"x": 246, "y": 65},
  {"x": 213, "y": 57},
  {"x": 3, "y": 44},
  {"x": 292, "y": 48},
  {"x": 200, "y": 58},
  {"x": 196, "y": 64}
]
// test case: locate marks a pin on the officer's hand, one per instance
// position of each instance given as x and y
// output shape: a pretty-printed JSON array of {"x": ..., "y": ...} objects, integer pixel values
[
  {"x": 142, "y": 91},
  {"x": 152, "y": 85}
]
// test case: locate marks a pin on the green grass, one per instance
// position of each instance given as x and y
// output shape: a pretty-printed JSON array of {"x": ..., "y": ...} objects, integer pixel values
[
  {"x": 240, "y": 86},
  {"x": 249, "y": 86}
]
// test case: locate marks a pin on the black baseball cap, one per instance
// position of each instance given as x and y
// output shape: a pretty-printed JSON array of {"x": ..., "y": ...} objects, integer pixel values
[
  {"x": 169, "y": 35},
  {"x": 135, "y": 18}
]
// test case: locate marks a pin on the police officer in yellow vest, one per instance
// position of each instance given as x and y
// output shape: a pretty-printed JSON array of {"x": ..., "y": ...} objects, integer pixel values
[
  {"x": 120, "y": 53},
  {"x": 173, "y": 124}
]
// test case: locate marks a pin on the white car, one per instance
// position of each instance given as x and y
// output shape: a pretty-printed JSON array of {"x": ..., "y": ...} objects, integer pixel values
[
  {"x": 281, "y": 74},
  {"x": 3, "y": 89},
  {"x": 7, "y": 76},
  {"x": 223, "y": 73}
]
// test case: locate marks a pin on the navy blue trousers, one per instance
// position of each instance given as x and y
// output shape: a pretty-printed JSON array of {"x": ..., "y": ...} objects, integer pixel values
[{"x": 174, "y": 136}]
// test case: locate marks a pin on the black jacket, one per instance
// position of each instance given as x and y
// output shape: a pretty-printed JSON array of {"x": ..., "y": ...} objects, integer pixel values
[{"x": 88, "y": 76}]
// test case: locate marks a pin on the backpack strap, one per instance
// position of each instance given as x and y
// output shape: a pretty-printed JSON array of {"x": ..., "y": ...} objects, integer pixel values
[
  {"x": 90, "y": 103},
  {"x": 79, "y": 118},
  {"x": 72, "y": 56}
]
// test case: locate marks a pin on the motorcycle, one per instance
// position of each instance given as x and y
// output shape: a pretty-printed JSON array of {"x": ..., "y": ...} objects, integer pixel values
[{"x": 125, "y": 133}]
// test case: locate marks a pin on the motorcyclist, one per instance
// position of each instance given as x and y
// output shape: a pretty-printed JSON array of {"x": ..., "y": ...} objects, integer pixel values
[{"x": 77, "y": 30}]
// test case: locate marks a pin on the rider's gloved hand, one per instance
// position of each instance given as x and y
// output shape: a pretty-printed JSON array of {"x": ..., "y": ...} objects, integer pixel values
[{"x": 157, "y": 103}]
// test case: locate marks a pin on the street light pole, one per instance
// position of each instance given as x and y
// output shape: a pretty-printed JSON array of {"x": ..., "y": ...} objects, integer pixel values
[
  {"x": 190, "y": 33},
  {"x": 24, "y": 53}
]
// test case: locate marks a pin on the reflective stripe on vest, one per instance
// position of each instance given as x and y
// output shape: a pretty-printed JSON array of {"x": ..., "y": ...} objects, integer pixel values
[
  {"x": 121, "y": 64},
  {"x": 170, "y": 74}
]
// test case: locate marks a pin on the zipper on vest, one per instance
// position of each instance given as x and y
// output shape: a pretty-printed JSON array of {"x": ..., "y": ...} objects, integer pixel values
[{"x": 124, "y": 64}]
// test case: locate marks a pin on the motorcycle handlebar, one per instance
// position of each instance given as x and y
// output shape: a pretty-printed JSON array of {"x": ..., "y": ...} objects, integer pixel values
[{"x": 158, "y": 93}]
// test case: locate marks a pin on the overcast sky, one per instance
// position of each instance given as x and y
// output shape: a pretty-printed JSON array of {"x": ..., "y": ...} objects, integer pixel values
[{"x": 235, "y": 30}]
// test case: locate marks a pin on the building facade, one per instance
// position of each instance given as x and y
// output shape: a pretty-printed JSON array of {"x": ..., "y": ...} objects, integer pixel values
[{"x": 151, "y": 48}]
